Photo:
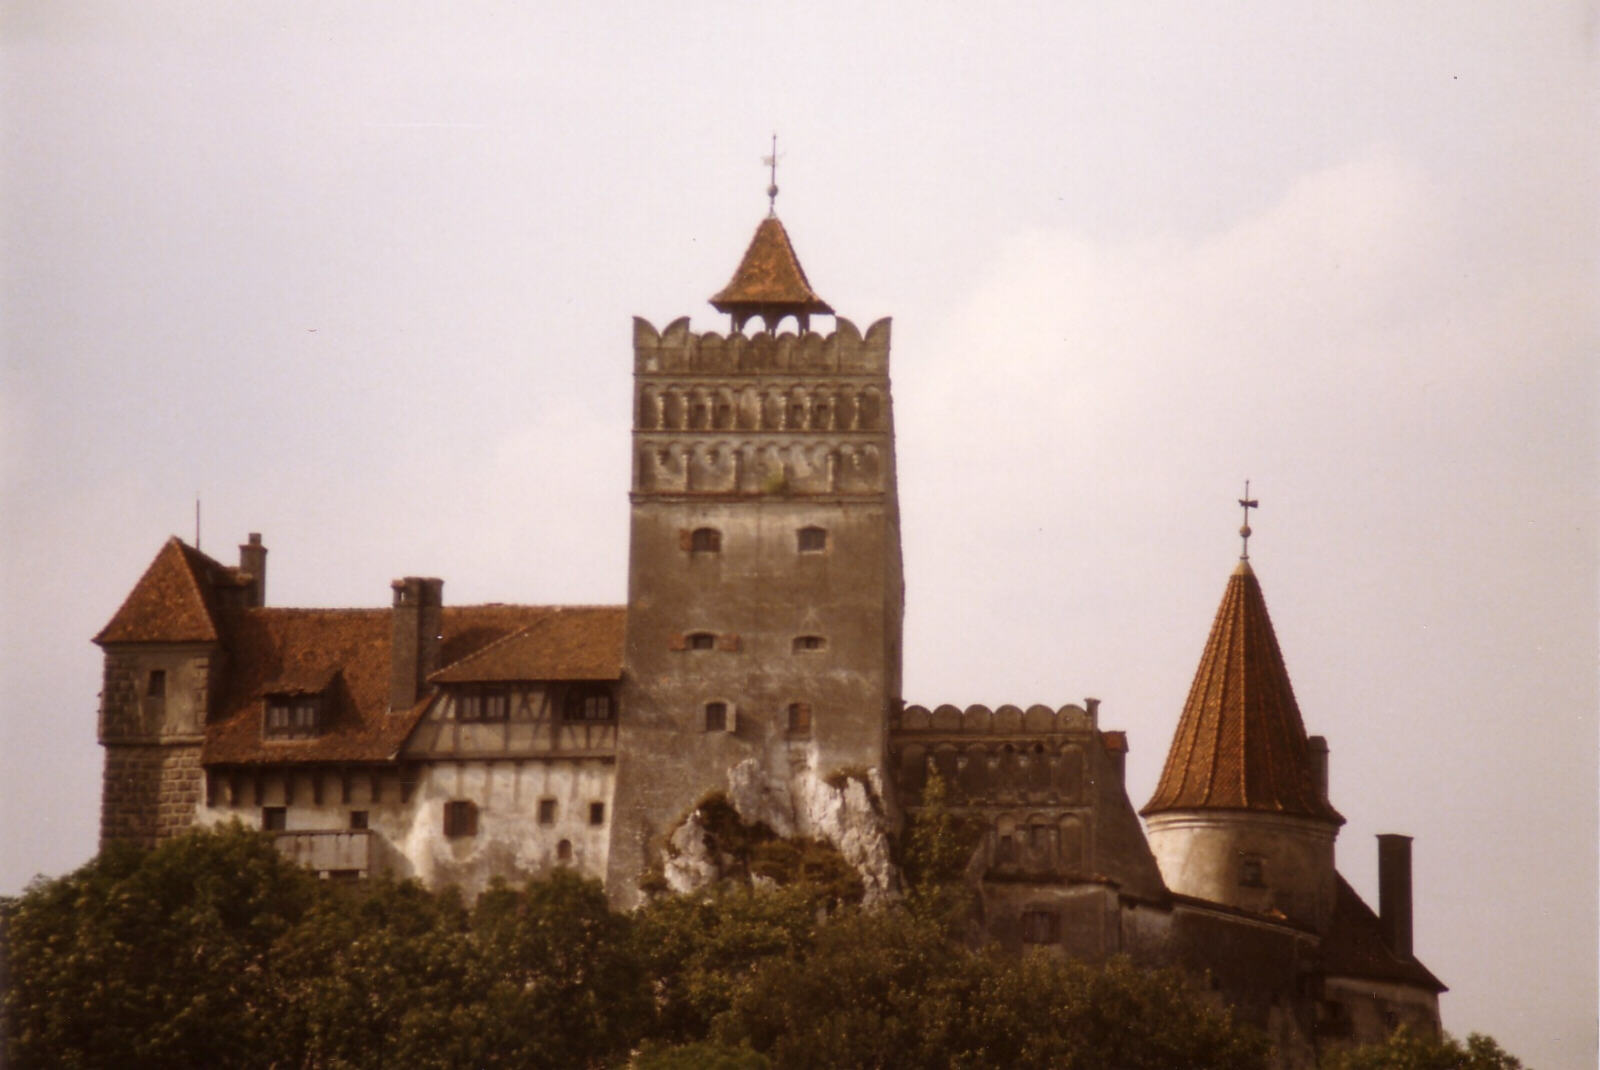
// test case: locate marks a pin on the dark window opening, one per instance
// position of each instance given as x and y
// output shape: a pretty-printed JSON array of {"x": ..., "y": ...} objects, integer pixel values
[
  {"x": 597, "y": 813},
  {"x": 702, "y": 641},
  {"x": 812, "y": 540},
  {"x": 1250, "y": 874},
  {"x": 274, "y": 818},
  {"x": 156, "y": 686},
  {"x": 292, "y": 716},
  {"x": 460, "y": 818},
  {"x": 809, "y": 642},
  {"x": 1006, "y": 851},
  {"x": 477, "y": 704},
  {"x": 800, "y": 718},
  {"x": 343, "y": 874},
  {"x": 588, "y": 704},
  {"x": 358, "y": 819},
  {"x": 705, "y": 541},
  {"x": 547, "y": 811},
  {"x": 1040, "y": 926},
  {"x": 564, "y": 851},
  {"x": 716, "y": 717}
]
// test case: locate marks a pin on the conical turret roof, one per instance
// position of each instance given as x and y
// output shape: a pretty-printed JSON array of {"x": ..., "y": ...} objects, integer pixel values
[
  {"x": 1241, "y": 744},
  {"x": 171, "y": 603},
  {"x": 769, "y": 282}
]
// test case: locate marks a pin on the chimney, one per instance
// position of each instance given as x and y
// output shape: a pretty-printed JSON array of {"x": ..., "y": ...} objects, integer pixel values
[
  {"x": 1116, "y": 744},
  {"x": 1394, "y": 892},
  {"x": 1092, "y": 706},
  {"x": 414, "y": 654},
  {"x": 1317, "y": 747},
  {"x": 253, "y": 560}
]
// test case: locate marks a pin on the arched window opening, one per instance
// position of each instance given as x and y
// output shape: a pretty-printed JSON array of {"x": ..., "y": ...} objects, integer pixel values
[{"x": 705, "y": 541}]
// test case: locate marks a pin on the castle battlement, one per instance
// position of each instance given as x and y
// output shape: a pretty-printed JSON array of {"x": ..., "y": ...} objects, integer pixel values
[
  {"x": 680, "y": 351},
  {"x": 979, "y": 720}
]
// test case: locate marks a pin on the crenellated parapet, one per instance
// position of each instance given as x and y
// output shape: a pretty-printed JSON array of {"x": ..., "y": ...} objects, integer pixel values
[
  {"x": 679, "y": 351},
  {"x": 1002, "y": 721}
]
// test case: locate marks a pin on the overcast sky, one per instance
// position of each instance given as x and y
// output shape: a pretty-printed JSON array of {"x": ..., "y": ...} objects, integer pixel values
[{"x": 361, "y": 277}]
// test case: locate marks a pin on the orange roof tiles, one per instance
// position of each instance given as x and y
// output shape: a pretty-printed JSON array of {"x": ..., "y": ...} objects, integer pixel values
[
  {"x": 565, "y": 643},
  {"x": 1240, "y": 744},
  {"x": 770, "y": 277},
  {"x": 172, "y": 602}
]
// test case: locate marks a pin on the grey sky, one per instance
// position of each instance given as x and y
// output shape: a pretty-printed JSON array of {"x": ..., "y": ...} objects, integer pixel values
[{"x": 361, "y": 276}]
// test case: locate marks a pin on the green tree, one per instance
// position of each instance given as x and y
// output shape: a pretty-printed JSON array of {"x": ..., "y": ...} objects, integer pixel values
[
  {"x": 156, "y": 957},
  {"x": 1406, "y": 1050}
]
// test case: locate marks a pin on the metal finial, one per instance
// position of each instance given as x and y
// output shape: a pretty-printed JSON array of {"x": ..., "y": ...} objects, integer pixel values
[
  {"x": 772, "y": 181},
  {"x": 1248, "y": 503}
]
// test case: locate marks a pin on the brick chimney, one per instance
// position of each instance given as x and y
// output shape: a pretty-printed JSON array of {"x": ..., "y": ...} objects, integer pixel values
[
  {"x": 417, "y": 618},
  {"x": 1317, "y": 748},
  {"x": 1394, "y": 892},
  {"x": 253, "y": 560}
]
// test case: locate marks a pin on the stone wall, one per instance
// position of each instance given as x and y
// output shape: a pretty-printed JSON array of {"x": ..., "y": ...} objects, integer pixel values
[{"x": 151, "y": 792}]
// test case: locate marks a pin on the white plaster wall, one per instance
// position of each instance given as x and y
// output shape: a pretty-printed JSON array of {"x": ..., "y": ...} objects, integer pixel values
[{"x": 1201, "y": 853}]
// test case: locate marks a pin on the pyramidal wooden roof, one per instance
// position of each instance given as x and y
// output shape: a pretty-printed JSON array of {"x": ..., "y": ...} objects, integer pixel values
[
  {"x": 1240, "y": 743},
  {"x": 172, "y": 601},
  {"x": 769, "y": 280}
]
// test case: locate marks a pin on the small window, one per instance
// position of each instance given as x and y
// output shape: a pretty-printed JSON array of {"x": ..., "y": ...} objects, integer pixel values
[
  {"x": 156, "y": 685},
  {"x": 597, "y": 813},
  {"x": 358, "y": 819},
  {"x": 475, "y": 704},
  {"x": 705, "y": 541},
  {"x": 813, "y": 540},
  {"x": 460, "y": 818},
  {"x": 588, "y": 704},
  {"x": 804, "y": 643},
  {"x": 716, "y": 717},
  {"x": 1005, "y": 852},
  {"x": 564, "y": 851},
  {"x": 799, "y": 718},
  {"x": 292, "y": 716},
  {"x": 1250, "y": 875},
  {"x": 702, "y": 641},
  {"x": 1040, "y": 926},
  {"x": 274, "y": 818},
  {"x": 547, "y": 811}
]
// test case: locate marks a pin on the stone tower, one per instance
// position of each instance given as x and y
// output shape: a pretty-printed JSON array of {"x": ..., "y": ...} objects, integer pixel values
[
  {"x": 1241, "y": 814},
  {"x": 765, "y": 592}
]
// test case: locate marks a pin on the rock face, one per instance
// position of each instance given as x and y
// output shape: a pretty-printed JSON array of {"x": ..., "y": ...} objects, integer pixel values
[{"x": 844, "y": 810}]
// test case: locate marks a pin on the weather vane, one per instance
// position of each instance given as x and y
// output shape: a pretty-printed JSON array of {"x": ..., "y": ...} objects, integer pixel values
[
  {"x": 1248, "y": 503},
  {"x": 772, "y": 181}
]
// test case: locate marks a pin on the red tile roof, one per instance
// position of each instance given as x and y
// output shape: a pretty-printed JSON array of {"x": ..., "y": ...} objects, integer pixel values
[
  {"x": 565, "y": 643},
  {"x": 770, "y": 278},
  {"x": 1240, "y": 744},
  {"x": 273, "y": 649},
  {"x": 174, "y": 601}
]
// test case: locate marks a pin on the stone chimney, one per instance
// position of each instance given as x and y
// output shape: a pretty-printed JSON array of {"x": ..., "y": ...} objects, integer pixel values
[
  {"x": 1116, "y": 744},
  {"x": 253, "y": 561},
  {"x": 417, "y": 619},
  {"x": 1317, "y": 748},
  {"x": 1394, "y": 892}
]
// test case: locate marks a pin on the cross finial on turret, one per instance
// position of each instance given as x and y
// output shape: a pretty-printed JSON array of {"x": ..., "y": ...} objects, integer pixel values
[
  {"x": 1248, "y": 503},
  {"x": 772, "y": 181}
]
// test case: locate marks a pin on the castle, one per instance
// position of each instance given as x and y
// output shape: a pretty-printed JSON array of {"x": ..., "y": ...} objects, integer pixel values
[{"x": 757, "y": 658}]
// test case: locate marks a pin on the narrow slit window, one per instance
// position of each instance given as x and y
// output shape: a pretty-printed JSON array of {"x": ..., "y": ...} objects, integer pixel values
[
  {"x": 1250, "y": 873},
  {"x": 800, "y": 718},
  {"x": 597, "y": 813}
]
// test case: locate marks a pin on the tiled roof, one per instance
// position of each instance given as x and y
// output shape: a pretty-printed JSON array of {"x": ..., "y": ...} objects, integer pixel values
[
  {"x": 1354, "y": 947},
  {"x": 173, "y": 600},
  {"x": 1240, "y": 744},
  {"x": 566, "y": 643},
  {"x": 269, "y": 648},
  {"x": 770, "y": 277}
]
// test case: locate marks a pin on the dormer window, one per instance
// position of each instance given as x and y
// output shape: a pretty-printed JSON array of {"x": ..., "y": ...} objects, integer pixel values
[
  {"x": 292, "y": 716},
  {"x": 483, "y": 703},
  {"x": 812, "y": 540}
]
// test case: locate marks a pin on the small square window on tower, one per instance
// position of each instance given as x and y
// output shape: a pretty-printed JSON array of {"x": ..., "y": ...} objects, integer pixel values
[
  {"x": 1250, "y": 872},
  {"x": 597, "y": 813},
  {"x": 156, "y": 685},
  {"x": 702, "y": 641},
  {"x": 812, "y": 540},
  {"x": 547, "y": 811},
  {"x": 716, "y": 717},
  {"x": 799, "y": 718}
]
